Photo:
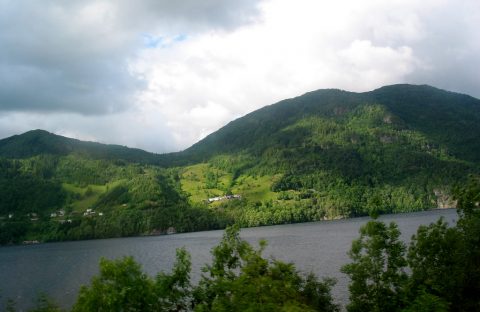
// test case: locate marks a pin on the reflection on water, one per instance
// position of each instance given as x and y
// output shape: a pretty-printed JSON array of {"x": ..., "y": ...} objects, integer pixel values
[{"x": 58, "y": 269}]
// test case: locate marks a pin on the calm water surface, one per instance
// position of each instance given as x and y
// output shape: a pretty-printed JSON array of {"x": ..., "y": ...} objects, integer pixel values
[{"x": 59, "y": 269}]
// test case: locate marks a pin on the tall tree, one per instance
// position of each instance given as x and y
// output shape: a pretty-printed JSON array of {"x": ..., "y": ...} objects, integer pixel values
[{"x": 377, "y": 271}]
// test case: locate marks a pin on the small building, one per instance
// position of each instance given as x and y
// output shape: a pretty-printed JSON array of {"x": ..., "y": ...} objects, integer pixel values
[
  {"x": 226, "y": 197},
  {"x": 89, "y": 213},
  {"x": 213, "y": 199}
]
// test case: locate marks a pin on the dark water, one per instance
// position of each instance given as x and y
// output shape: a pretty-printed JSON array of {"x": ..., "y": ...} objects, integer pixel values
[{"x": 58, "y": 269}]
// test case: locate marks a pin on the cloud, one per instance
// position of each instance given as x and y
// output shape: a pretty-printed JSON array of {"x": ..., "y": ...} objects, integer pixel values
[
  {"x": 366, "y": 64},
  {"x": 73, "y": 56},
  {"x": 63, "y": 58},
  {"x": 262, "y": 63},
  {"x": 301, "y": 46},
  {"x": 450, "y": 47},
  {"x": 175, "y": 71}
]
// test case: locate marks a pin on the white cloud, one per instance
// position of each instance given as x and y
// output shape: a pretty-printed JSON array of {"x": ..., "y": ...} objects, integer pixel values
[
  {"x": 367, "y": 66},
  {"x": 295, "y": 48}
]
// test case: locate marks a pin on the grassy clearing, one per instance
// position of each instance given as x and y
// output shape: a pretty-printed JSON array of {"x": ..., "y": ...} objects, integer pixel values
[
  {"x": 255, "y": 188},
  {"x": 194, "y": 181},
  {"x": 89, "y": 194}
]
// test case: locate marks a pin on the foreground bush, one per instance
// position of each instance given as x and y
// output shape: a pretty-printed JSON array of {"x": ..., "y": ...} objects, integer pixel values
[
  {"x": 239, "y": 279},
  {"x": 443, "y": 264}
]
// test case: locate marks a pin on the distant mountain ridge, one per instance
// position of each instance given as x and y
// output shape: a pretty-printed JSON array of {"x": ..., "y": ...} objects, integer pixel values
[
  {"x": 38, "y": 142},
  {"x": 421, "y": 107},
  {"x": 323, "y": 155}
]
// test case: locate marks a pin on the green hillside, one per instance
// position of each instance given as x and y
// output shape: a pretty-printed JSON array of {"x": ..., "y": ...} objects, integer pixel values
[
  {"x": 446, "y": 118},
  {"x": 332, "y": 153},
  {"x": 41, "y": 142},
  {"x": 323, "y": 155},
  {"x": 52, "y": 197}
]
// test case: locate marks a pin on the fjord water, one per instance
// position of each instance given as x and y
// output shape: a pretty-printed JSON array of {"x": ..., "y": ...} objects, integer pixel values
[{"x": 59, "y": 269}]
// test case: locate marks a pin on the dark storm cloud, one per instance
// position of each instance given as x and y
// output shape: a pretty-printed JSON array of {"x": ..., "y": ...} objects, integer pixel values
[
  {"x": 72, "y": 56},
  {"x": 449, "y": 49},
  {"x": 185, "y": 14}
]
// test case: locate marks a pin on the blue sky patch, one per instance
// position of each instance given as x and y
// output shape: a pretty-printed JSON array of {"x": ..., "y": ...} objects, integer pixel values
[{"x": 152, "y": 42}]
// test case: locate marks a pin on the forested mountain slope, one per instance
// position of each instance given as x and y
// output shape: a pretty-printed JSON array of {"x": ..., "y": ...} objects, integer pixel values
[
  {"x": 323, "y": 155},
  {"x": 57, "y": 188},
  {"x": 333, "y": 153},
  {"x": 41, "y": 142},
  {"x": 450, "y": 119}
]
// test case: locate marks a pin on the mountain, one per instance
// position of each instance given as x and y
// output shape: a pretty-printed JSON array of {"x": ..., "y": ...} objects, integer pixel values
[
  {"x": 447, "y": 118},
  {"x": 331, "y": 153},
  {"x": 40, "y": 142},
  {"x": 55, "y": 188},
  {"x": 323, "y": 155}
]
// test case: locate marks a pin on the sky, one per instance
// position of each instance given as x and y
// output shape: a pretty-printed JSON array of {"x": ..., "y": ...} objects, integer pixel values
[{"x": 161, "y": 75}]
